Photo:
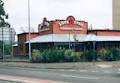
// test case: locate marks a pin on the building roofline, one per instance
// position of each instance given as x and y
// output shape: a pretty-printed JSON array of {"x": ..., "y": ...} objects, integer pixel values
[
  {"x": 28, "y": 33},
  {"x": 104, "y": 30}
]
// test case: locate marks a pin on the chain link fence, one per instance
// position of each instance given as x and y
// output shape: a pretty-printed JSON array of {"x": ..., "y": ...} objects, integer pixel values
[{"x": 7, "y": 39}]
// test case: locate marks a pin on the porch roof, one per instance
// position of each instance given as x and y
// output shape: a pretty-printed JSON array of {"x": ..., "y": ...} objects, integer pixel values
[{"x": 72, "y": 38}]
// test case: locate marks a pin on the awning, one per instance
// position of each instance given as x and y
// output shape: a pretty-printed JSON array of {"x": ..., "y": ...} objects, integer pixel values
[{"x": 72, "y": 38}]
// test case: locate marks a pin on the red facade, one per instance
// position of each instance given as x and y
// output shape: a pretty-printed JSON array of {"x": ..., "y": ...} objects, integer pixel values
[
  {"x": 22, "y": 38},
  {"x": 70, "y": 25},
  {"x": 104, "y": 32}
]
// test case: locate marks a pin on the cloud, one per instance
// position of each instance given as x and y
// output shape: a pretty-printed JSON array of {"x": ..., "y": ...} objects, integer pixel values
[{"x": 96, "y": 12}]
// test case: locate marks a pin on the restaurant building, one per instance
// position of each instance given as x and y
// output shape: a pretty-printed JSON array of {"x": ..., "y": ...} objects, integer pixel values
[{"x": 68, "y": 34}]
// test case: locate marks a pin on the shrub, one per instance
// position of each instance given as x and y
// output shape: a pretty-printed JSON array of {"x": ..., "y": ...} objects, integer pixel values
[
  {"x": 36, "y": 56},
  {"x": 113, "y": 55},
  {"x": 103, "y": 53},
  {"x": 60, "y": 55},
  {"x": 89, "y": 55},
  {"x": 54, "y": 55},
  {"x": 109, "y": 54},
  {"x": 75, "y": 58},
  {"x": 68, "y": 54},
  {"x": 116, "y": 53},
  {"x": 71, "y": 56}
]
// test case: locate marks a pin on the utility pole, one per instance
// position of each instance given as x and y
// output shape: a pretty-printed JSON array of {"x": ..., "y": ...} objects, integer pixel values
[
  {"x": 11, "y": 39},
  {"x": 29, "y": 29}
]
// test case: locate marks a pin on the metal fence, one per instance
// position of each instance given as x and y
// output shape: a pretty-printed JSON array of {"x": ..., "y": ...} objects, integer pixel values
[{"x": 7, "y": 38}]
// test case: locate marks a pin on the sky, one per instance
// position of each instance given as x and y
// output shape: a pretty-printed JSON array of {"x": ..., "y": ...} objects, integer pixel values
[{"x": 95, "y": 12}]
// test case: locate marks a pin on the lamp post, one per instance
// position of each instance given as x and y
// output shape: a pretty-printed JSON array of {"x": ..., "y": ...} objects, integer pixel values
[{"x": 29, "y": 29}]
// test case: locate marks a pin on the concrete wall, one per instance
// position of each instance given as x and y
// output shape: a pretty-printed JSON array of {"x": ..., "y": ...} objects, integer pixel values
[{"x": 116, "y": 14}]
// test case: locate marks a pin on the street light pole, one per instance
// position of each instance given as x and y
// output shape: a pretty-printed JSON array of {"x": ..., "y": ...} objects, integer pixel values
[{"x": 29, "y": 29}]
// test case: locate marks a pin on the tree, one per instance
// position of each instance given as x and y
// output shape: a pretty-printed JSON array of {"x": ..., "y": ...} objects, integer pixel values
[
  {"x": 3, "y": 15},
  {"x": 3, "y": 23}
]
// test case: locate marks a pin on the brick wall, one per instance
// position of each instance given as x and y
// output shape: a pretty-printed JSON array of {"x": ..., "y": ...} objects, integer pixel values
[
  {"x": 57, "y": 29},
  {"x": 25, "y": 37},
  {"x": 70, "y": 25},
  {"x": 22, "y": 38},
  {"x": 105, "y": 32}
]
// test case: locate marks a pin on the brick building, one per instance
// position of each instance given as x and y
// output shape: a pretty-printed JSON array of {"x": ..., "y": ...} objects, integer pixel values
[
  {"x": 21, "y": 47},
  {"x": 69, "y": 33}
]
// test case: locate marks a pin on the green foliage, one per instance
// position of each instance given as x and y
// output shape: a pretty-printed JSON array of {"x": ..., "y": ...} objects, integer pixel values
[
  {"x": 109, "y": 54},
  {"x": 36, "y": 56},
  {"x": 114, "y": 54},
  {"x": 3, "y": 23},
  {"x": 54, "y": 55},
  {"x": 103, "y": 54},
  {"x": 7, "y": 48},
  {"x": 71, "y": 56},
  {"x": 75, "y": 58},
  {"x": 68, "y": 55},
  {"x": 89, "y": 55},
  {"x": 3, "y": 15}
]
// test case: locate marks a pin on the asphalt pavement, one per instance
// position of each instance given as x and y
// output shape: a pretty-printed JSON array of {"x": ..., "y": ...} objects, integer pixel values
[{"x": 105, "y": 74}]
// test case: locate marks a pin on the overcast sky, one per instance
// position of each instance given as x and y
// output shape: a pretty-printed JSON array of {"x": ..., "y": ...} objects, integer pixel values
[{"x": 96, "y": 12}]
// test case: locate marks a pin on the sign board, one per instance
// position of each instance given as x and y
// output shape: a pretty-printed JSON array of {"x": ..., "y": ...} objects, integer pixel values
[{"x": 77, "y": 25}]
